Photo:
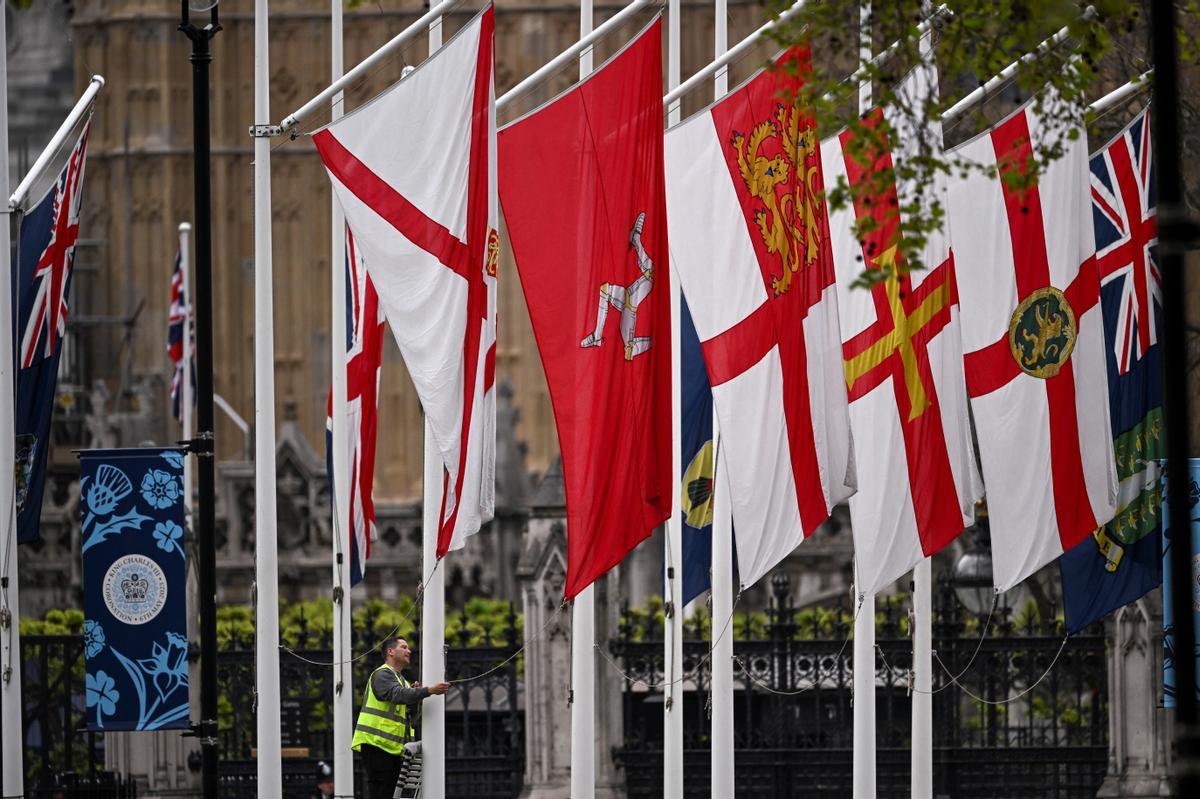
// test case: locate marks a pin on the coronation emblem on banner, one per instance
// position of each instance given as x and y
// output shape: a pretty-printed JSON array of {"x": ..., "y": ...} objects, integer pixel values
[
  {"x": 1042, "y": 332},
  {"x": 135, "y": 589},
  {"x": 782, "y": 184}
]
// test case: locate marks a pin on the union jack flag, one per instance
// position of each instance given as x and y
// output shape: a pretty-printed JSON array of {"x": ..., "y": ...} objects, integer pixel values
[
  {"x": 1124, "y": 213},
  {"x": 364, "y": 357},
  {"x": 52, "y": 276},
  {"x": 48, "y": 231},
  {"x": 178, "y": 318}
]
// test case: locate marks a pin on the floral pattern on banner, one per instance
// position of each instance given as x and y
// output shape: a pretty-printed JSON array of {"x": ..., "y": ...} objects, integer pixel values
[{"x": 134, "y": 568}]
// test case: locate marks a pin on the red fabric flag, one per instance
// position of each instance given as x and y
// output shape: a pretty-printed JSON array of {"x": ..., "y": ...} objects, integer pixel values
[{"x": 581, "y": 186}]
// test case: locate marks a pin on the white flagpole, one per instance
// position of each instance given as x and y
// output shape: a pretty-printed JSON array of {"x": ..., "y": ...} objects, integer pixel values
[
  {"x": 583, "y": 608},
  {"x": 266, "y": 550},
  {"x": 433, "y": 629},
  {"x": 185, "y": 391},
  {"x": 11, "y": 727},
  {"x": 864, "y": 622},
  {"x": 343, "y": 522},
  {"x": 922, "y": 699},
  {"x": 722, "y": 541},
  {"x": 433, "y": 611},
  {"x": 922, "y": 638},
  {"x": 673, "y": 639}
]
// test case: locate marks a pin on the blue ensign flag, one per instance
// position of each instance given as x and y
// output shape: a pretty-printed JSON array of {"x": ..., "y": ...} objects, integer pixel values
[
  {"x": 134, "y": 600},
  {"x": 42, "y": 272},
  {"x": 1122, "y": 560},
  {"x": 1169, "y": 653},
  {"x": 696, "y": 441}
]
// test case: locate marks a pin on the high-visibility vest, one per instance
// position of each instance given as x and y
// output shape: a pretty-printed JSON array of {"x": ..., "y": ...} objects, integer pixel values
[{"x": 382, "y": 724}]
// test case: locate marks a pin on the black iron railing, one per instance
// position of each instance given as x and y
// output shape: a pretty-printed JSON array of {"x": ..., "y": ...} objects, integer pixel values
[
  {"x": 792, "y": 710},
  {"x": 62, "y": 759},
  {"x": 485, "y": 718}
]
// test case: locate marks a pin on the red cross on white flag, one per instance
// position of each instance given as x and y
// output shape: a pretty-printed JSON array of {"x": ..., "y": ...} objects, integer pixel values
[
  {"x": 750, "y": 242},
  {"x": 1034, "y": 341},
  {"x": 414, "y": 172}
]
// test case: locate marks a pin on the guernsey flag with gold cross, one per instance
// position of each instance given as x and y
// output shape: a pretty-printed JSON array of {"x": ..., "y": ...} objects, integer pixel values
[
  {"x": 1033, "y": 333},
  {"x": 917, "y": 478}
]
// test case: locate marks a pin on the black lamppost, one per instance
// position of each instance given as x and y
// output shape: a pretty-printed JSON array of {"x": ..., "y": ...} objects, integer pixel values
[
  {"x": 1176, "y": 232},
  {"x": 202, "y": 446}
]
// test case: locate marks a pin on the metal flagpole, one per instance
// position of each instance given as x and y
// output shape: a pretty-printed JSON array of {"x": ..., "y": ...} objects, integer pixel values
[
  {"x": 185, "y": 392},
  {"x": 343, "y": 525},
  {"x": 266, "y": 551},
  {"x": 11, "y": 726},
  {"x": 922, "y": 699},
  {"x": 433, "y": 610},
  {"x": 922, "y": 634},
  {"x": 673, "y": 640},
  {"x": 367, "y": 66},
  {"x": 721, "y": 577},
  {"x": 47, "y": 156},
  {"x": 864, "y": 621},
  {"x": 583, "y": 608},
  {"x": 433, "y": 626}
]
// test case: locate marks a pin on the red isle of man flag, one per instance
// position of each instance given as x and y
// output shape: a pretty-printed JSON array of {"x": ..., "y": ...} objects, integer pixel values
[
  {"x": 750, "y": 241},
  {"x": 582, "y": 186},
  {"x": 917, "y": 479},
  {"x": 414, "y": 171},
  {"x": 1033, "y": 335}
]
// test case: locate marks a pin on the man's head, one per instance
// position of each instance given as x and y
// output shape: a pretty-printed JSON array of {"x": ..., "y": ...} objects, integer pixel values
[
  {"x": 396, "y": 652},
  {"x": 325, "y": 778}
]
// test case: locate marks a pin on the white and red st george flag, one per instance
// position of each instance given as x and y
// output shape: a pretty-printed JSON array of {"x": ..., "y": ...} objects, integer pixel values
[
  {"x": 917, "y": 479},
  {"x": 415, "y": 172},
  {"x": 750, "y": 240},
  {"x": 582, "y": 184},
  {"x": 1024, "y": 251}
]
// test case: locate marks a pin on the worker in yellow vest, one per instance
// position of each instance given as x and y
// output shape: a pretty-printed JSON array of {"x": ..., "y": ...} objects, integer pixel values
[{"x": 385, "y": 720}]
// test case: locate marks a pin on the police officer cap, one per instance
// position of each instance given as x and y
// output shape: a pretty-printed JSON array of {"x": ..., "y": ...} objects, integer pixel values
[{"x": 324, "y": 771}]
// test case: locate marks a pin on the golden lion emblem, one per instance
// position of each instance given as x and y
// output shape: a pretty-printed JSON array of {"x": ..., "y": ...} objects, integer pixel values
[
  {"x": 1042, "y": 332},
  {"x": 787, "y": 220}
]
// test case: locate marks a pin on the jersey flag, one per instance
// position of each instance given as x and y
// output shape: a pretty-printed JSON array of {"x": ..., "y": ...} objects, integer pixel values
[
  {"x": 44, "y": 270},
  {"x": 414, "y": 171},
  {"x": 917, "y": 479},
  {"x": 581, "y": 181},
  {"x": 1024, "y": 251},
  {"x": 750, "y": 242}
]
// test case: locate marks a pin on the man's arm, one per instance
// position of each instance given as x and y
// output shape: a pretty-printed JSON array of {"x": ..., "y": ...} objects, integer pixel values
[{"x": 388, "y": 688}]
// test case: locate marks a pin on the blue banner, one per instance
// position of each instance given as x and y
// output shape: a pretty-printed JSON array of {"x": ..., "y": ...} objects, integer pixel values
[
  {"x": 695, "y": 398},
  {"x": 1169, "y": 653},
  {"x": 1122, "y": 560},
  {"x": 134, "y": 601}
]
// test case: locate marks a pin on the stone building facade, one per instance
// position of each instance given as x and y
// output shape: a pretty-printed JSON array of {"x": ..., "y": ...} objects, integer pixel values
[{"x": 139, "y": 187}]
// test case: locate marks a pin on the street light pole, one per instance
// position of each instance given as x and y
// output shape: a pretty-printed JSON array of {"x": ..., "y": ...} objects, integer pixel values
[
  {"x": 203, "y": 445},
  {"x": 1175, "y": 232}
]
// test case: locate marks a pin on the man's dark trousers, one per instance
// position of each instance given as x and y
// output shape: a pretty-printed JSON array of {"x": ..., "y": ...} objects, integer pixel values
[{"x": 383, "y": 769}]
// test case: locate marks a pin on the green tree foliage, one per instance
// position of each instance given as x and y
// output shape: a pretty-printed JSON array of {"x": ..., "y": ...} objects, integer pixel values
[{"x": 970, "y": 44}]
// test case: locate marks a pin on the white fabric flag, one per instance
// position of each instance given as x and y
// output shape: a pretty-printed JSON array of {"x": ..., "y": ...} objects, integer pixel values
[
  {"x": 1034, "y": 341},
  {"x": 917, "y": 478},
  {"x": 750, "y": 243},
  {"x": 415, "y": 173}
]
